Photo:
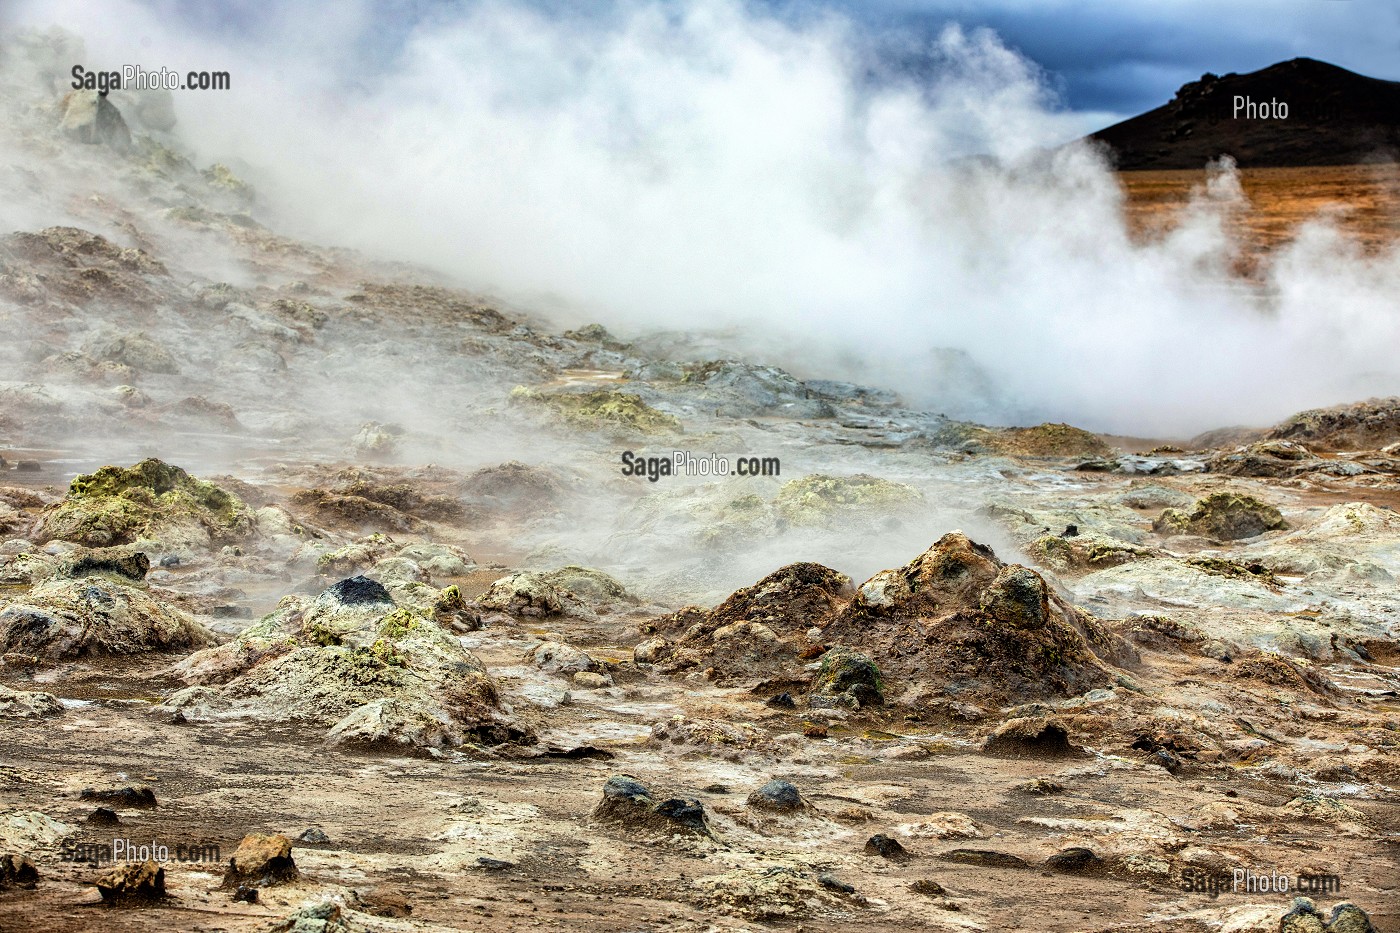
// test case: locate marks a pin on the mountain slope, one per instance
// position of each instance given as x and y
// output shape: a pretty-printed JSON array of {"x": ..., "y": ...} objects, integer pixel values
[{"x": 1334, "y": 117}]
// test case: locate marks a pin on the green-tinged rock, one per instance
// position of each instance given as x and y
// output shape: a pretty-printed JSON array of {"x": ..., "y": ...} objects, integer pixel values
[
  {"x": 601, "y": 409},
  {"x": 817, "y": 499},
  {"x": 1226, "y": 516},
  {"x": 849, "y": 673},
  {"x": 24, "y": 704},
  {"x": 377, "y": 674},
  {"x": 151, "y": 501},
  {"x": 1047, "y": 440}
]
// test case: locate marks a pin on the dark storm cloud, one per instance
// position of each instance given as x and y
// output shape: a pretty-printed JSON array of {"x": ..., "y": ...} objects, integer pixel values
[{"x": 1129, "y": 57}]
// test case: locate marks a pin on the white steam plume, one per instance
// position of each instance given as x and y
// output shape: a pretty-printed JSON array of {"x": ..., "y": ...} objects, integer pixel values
[{"x": 703, "y": 164}]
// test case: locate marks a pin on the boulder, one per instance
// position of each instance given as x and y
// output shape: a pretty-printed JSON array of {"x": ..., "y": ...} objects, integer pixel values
[
  {"x": 17, "y": 871},
  {"x": 23, "y": 704},
  {"x": 129, "y": 884},
  {"x": 261, "y": 860},
  {"x": 849, "y": 675},
  {"x": 93, "y": 617},
  {"x": 1225, "y": 516},
  {"x": 525, "y": 594},
  {"x": 777, "y": 796},
  {"x": 149, "y": 502},
  {"x": 374, "y": 672},
  {"x": 630, "y": 804},
  {"x": 88, "y": 117}
]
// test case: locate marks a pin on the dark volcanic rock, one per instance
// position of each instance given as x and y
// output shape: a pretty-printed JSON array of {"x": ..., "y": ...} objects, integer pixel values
[
  {"x": 630, "y": 804},
  {"x": 885, "y": 847},
  {"x": 133, "y": 798},
  {"x": 777, "y": 795},
  {"x": 1335, "y": 117},
  {"x": 131, "y": 566},
  {"x": 360, "y": 591},
  {"x": 1075, "y": 860},
  {"x": 102, "y": 816}
]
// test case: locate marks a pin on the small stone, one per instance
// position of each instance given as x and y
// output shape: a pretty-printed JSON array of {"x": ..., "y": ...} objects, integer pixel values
[
  {"x": 832, "y": 883},
  {"x": 777, "y": 795},
  {"x": 781, "y": 701},
  {"x": 1075, "y": 860},
  {"x": 886, "y": 847},
  {"x": 715, "y": 789},
  {"x": 102, "y": 816},
  {"x": 589, "y": 680},
  {"x": 132, "y": 883},
  {"x": 246, "y": 894},
  {"x": 815, "y": 731},
  {"x": 261, "y": 860},
  {"x": 1040, "y": 787},
  {"x": 493, "y": 864},
  {"x": 313, "y": 835},
  {"x": 928, "y": 888},
  {"x": 170, "y": 560}
]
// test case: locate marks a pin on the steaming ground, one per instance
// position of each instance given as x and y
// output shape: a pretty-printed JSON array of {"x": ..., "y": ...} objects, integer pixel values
[
  {"x": 405, "y": 596},
  {"x": 702, "y": 162}
]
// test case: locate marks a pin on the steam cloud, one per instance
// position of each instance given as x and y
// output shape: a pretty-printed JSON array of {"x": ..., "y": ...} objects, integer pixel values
[{"x": 703, "y": 164}]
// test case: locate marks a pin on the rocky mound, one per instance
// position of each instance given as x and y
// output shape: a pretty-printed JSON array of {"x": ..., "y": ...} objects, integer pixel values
[
  {"x": 365, "y": 499},
  {"x": 1367, "y": 425},
  {"x": 1335, "y": 117},
  {"x": 1225, "y": 516},
  {"x": 150, "y": 502},
  {"x": 94, "y": 615},
  {"x": 754, "y": 632},
  {"x": 959, "y": 620},
  {"x": 378, "y": 674}
]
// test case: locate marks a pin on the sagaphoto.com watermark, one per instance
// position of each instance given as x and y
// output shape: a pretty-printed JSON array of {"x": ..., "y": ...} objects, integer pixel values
[
  {"x": 128, "y": 850},
  {"x": 1250, "y": 881},
  {"x": 688, "y": 463},
  {"x": 136, "y": 78}
]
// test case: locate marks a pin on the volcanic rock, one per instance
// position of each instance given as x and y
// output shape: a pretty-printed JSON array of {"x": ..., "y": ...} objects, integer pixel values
[
  {"x": 132, "y": 884},
  {"x": 17, "y": 871},
  {"x": 1225, "y": 516},
  {"x": 376, "y": 673},
  {"x": 65, "y": 619},
  {"x": 957, "y": 616},
  {"x": 24, "y": 704},
  {"x": 776, "y": 795},
  {"x": 151, "y": 501},
  {"x": 261, "y": 860},
  {"x": 630, "y": 804}
]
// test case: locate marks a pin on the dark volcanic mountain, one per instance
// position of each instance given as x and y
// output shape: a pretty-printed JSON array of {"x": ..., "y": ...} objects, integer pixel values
[{"x": 1333, "y": 117}]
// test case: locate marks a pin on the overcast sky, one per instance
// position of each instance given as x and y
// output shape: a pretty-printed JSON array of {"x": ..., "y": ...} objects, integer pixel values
[
  {"x": 1107, "y": 58},
  {"x": 1127, "y": 56}
]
